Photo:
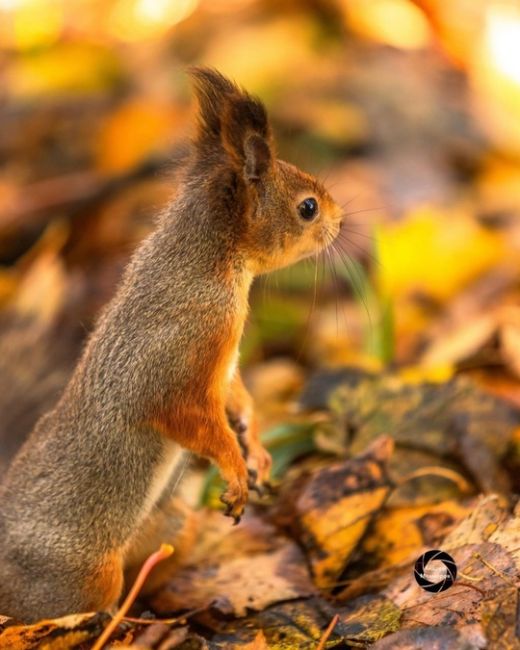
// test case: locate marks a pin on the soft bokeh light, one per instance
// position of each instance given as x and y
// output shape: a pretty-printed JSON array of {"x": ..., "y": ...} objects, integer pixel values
[
  {"x": 30, "y": 23},
  {"x": 502, "y": 36},
  {"x": 134, "y": 20},
  {"x": 395, "y": 22},
  {"x": 494, "y": 67},
  {"x": 9, "y": 5}
]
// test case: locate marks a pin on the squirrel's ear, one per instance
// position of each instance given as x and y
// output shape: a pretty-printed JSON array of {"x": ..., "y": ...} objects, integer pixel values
[
  {"x": 246, "y": 135},
  {"x": 257, "y": 156},
  {"x": 231, "y": 118}
]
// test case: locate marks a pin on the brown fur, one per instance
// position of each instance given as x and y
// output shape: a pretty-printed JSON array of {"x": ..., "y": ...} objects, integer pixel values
[
  {"x": 104, "y": 586},
  {"x": 159, "y": 372}
]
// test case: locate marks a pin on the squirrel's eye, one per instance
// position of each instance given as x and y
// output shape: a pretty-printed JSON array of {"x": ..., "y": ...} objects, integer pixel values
[{"x": 308, "y": 209}]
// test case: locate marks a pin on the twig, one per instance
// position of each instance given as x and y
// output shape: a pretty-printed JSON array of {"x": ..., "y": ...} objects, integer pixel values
[
  {"x": 327, "y": 633},
  {"x": 165, "y": 621},
  {"x": 74, "y": 195},
  {"x": 165, "y": 551},
  {"x": 77, "y": 190},
  {"x": 444, "y": 472},
  {"x": 497, "y": 572}
]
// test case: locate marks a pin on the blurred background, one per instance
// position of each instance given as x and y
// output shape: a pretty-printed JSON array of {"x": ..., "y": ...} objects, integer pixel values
[{"x": 407, "y": 110}]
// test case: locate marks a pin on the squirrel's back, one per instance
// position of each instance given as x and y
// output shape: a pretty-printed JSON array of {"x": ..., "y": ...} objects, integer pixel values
[{"x": 152, "y": 346}]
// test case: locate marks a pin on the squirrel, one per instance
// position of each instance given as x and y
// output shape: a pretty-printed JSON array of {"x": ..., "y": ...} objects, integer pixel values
[{"x": 90, "y": 491}]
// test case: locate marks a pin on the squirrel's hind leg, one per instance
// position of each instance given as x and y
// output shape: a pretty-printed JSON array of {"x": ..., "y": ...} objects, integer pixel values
[
  {"x": 69, "y": 587},
  {"x": 104, "y": 585},
  {"x": 170, "y": 522}
]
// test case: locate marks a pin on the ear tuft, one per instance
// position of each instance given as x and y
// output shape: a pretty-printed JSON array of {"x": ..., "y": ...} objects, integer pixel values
[{"x": 212, "y": 91}]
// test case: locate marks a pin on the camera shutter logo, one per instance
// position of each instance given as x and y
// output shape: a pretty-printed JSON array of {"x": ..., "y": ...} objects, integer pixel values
[{"x": 447, "y": 580}]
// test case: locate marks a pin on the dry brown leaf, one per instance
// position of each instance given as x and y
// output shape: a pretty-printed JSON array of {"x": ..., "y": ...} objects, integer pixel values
[
  {"x": 44, "y": 281},
  {"x": 461, "y": 341},
  {"x": 433, "y": 638},
  {"x": 510, "y": 339},
  {"x": 160, "y": 636},
  {"x": 236, "y": 584},
  {"x": 220, "y": 540},
  {"x": 59, "y": 634},
  {"x": 258, "y": 643},
  {"x": 486, "y": 550},
  {"x": 469, "y": 321}
]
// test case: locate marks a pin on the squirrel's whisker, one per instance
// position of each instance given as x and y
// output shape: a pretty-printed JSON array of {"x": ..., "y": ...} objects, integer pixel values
[
  {"x": 344, "y": 240},
  {"x": 362, "y": 210},
  {"x": 312, "y": 307},
  {"x": 357, "y": 282}
]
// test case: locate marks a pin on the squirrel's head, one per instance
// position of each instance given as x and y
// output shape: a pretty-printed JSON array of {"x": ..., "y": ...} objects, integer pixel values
[{"x": 280, "y": 213}]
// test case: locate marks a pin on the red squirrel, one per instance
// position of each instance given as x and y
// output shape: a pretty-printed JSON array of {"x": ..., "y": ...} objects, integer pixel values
[{"x": 90, "y": 491}]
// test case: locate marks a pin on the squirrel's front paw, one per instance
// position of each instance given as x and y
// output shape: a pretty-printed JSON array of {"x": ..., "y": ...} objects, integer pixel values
[
  {"x": 258, "y": 459},
  {"x": 235, "y": 499}
]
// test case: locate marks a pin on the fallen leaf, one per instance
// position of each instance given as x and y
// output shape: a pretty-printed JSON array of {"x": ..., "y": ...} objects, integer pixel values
[
  {"x": 367, "y": 619},
  {"x": 510, "y": 339},
  {"x": 486, "y": 549},
  {"x": 454, "y": 420},
  {"x": 259, "y": 643},
  {"x": 59, "y": 634},
  {"x": 399, "y": 533},
  {"x": 434, "y": 638},
  {"x": 301, "y": 624},
  {"x": 237, "y": 585},
  {"x": 336, "y": 506}
]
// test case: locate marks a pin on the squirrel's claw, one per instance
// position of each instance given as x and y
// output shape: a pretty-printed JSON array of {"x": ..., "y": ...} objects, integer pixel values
[
  {"x": 258, "y": 476},
  {"x": 268, "y": 488},
  {"x": 235, "y": 505},
  {"x": 229, "y": 513},
  {"x": 263, "y": 489},
  {"x": 253, "y": 483},
  {"x": 259, "y": 489}
]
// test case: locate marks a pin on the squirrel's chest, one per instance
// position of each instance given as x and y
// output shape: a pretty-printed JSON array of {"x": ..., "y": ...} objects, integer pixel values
[
  {"x": 226, "y": 348},
  {"x": 232, "y": 364},
  {"x": 160, "y": 477}
]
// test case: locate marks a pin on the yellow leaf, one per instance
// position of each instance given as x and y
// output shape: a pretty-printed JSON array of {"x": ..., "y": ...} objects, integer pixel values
[
  {"x": 499, "y": 185},
  {"x": 396, "y": 22},
  {"x": 399, "y": 534},
  {"x": 434, "y": 253},
  {"x": 438, "y": 374},
  {"x": 65, "y": 68},
  {"x": 337, "y": 505},
  {"x": 8, "y": 285}
]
